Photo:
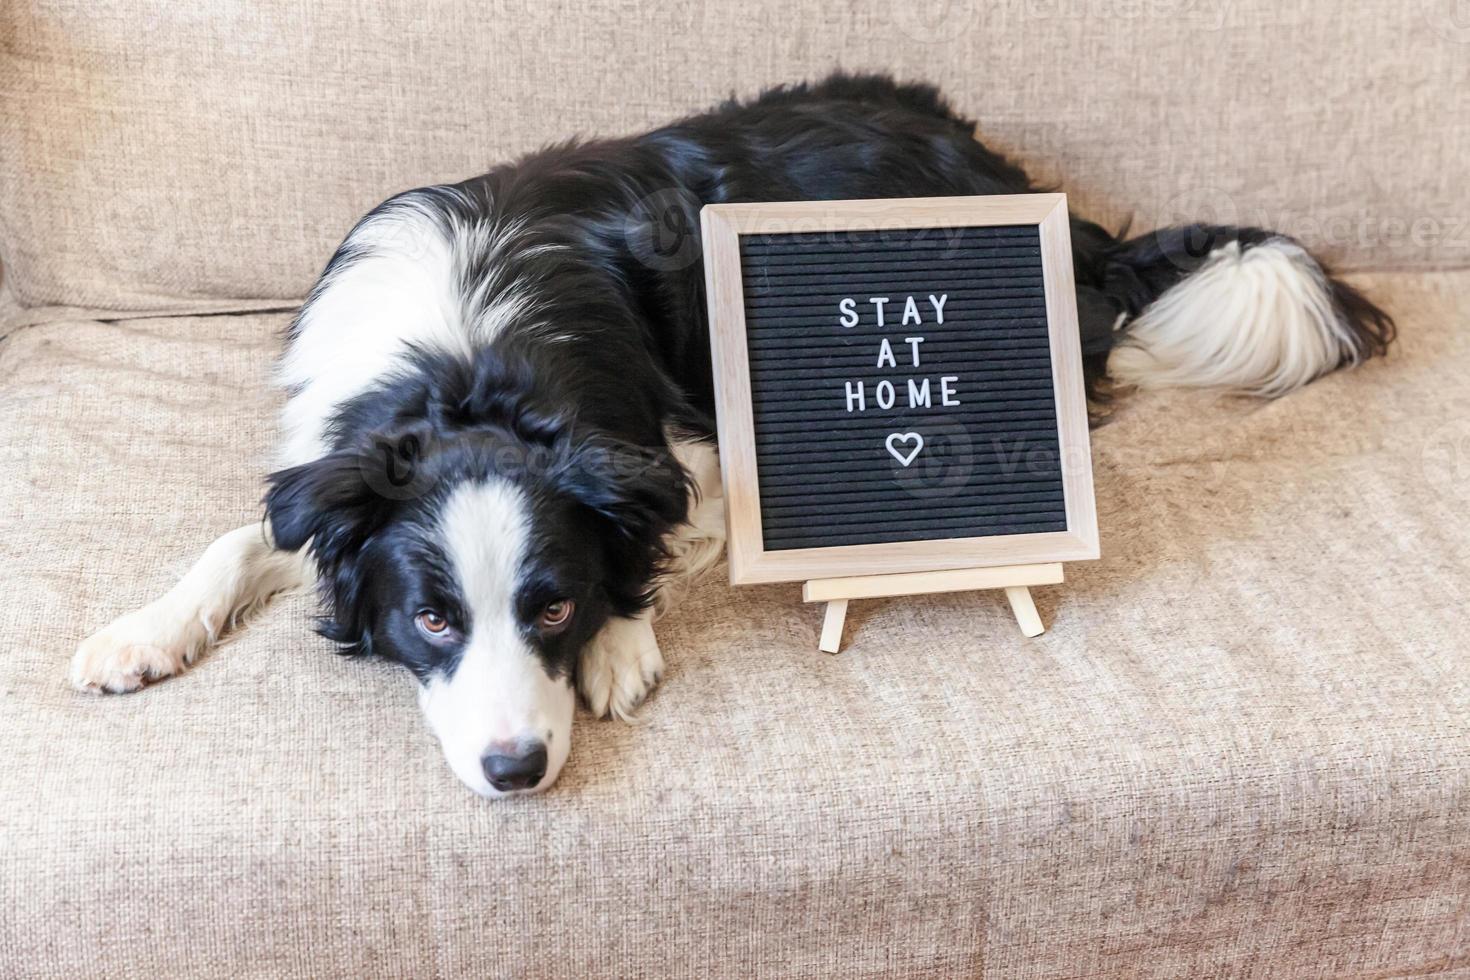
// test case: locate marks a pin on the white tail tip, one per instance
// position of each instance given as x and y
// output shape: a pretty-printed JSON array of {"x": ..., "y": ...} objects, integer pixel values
[{"x": 1258, "y": 321}]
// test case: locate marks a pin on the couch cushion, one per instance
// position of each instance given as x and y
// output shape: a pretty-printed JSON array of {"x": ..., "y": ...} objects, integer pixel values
[
  {"x": 1241, "y": 748},
  {"x": 169, "y": 156}
]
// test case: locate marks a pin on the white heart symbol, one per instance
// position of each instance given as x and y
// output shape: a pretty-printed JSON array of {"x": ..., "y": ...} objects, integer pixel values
[{"x": 903, "y": 458}]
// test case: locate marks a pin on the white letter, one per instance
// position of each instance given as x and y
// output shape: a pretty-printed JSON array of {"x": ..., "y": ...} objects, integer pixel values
[
  {"x": 885, "y": 402},
  {"x": 885, "y": 353},
  {"x": 914, "y": 342},
  {"x": 946, "y": 393},
  {"x": 918, "y": 396},
  {"x": 878, "y": 302},
  {"x": 861, "y": 399},
  {"x": 938, "y": 305},
  {"x": 849, "y": 313},
  {"x": 910, "y": 309}
]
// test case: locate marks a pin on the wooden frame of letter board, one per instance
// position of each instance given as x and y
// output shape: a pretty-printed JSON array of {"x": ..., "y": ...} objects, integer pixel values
[{"x": 837, "y": 574}]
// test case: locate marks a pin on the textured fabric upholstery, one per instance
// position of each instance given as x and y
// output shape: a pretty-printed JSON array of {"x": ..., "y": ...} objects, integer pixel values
[
  {"x": 1241, "y": 749},
  {"x": 159, "y": 156}
]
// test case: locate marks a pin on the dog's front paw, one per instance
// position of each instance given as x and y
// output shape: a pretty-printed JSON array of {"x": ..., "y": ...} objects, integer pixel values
[
  {"x": 132, "y": 650},
  {"x": 620, "y": 667}
]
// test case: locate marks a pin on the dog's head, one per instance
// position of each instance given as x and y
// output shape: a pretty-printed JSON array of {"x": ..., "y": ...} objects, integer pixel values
[{"x": 482, "y": 542}]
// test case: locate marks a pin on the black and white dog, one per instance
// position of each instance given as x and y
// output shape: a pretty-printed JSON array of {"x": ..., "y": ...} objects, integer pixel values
[{"x": 497, "y": 450}]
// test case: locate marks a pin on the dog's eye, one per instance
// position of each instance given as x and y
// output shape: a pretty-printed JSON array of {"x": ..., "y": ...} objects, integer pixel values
[
  {"x": 432, "y": 623},
  {"x": 556, "y": 614}
]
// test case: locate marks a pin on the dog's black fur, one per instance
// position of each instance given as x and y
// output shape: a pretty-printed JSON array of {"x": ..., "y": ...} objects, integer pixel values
[
  {"x": 605, "y": 236},
  {"x": 601, "y": 502},
  {"x": 501, "y": 402}
]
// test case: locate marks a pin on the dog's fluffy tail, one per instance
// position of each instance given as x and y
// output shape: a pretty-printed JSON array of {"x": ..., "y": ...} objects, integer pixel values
[{"x": 1240, "y": 309}]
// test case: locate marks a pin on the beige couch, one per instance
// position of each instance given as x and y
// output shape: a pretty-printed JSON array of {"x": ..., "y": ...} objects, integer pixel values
[{"x": 1240, "y": 750}]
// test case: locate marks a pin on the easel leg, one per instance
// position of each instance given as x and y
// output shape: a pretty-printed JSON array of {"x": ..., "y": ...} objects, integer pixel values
[
  {"x": 832, "y": 626},
  {"x": 1015, "y": 579},
  {"x": 1026, "y": 615}
]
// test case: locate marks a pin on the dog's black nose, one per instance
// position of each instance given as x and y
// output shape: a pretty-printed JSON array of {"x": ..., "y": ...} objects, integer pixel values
[{"x": 515, "y": 771}]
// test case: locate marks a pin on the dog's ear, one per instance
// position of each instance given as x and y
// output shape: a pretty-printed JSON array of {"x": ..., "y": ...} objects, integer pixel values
[
  {"x": 641, "y": 490},
  {"x": 337, "y": 501},
  {"x": 327, "y": 502},
  {"x": 640, "y": 493},
  {"x": 334, "y": 504}
]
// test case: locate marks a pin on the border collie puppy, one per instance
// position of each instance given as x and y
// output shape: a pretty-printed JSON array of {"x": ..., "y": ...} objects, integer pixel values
[{"x": 497, "y": 454}]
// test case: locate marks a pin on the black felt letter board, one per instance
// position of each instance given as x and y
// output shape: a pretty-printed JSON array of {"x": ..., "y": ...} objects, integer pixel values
[{"x": 940, "y": 422}]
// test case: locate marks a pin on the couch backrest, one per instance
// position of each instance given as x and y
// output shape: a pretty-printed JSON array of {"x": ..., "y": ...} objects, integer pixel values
[{"x": 158, "y": 155}]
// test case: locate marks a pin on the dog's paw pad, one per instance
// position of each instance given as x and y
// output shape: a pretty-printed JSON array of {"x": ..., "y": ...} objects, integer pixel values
[{"x": 620, "y": 668}]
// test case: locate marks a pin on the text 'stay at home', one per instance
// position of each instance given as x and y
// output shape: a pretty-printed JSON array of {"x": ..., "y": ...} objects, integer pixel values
[{"x": 911, "y": 388}]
